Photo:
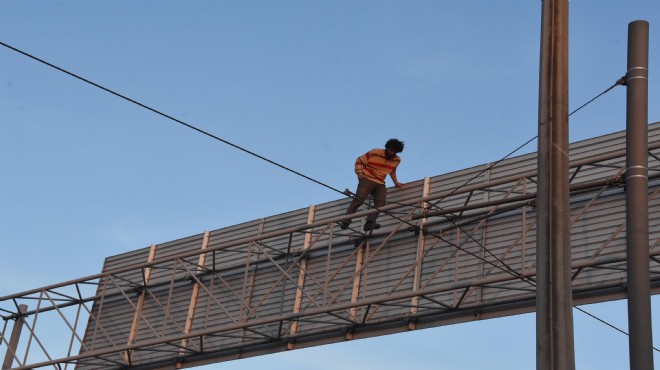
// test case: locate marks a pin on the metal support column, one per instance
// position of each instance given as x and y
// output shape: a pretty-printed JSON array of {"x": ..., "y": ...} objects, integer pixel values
[
  {"x": 637, "y": 212},
  {"x": 297, "y": 304},
  {"x": 13, "y": 339},
  {"x": 554, "y": 316},
  {"x": 419, "y": 261}
]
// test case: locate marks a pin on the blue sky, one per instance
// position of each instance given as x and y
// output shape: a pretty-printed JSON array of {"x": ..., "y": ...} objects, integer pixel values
[{"x": 309, "y": 84}]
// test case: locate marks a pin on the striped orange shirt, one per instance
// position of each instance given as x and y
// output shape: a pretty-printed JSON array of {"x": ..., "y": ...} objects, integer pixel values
[{"x": 374, "y": 166}]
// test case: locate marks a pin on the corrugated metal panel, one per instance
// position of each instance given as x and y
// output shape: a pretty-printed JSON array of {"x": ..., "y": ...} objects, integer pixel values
[{"x": 256, "y": 294}]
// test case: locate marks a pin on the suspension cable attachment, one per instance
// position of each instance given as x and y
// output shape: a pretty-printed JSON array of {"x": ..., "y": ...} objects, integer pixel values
[{"x": 621, "y": 81}]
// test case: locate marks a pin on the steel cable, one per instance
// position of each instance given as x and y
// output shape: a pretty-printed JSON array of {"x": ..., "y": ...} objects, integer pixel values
[
  {"x": 215, "y": 137},
  {"x": 433, "y": 205},
  {"x": 620, "y": 81}
]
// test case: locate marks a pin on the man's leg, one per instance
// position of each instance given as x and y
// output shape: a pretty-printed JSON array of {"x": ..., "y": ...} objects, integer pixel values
[
  {"x": 380, "y": 195},
  {"x": 364, "y": 188}
]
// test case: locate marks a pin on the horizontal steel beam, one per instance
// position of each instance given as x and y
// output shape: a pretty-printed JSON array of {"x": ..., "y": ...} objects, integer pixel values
[
  {"x": 447, "y": 287},
  {"x": 577, "y": 188}
]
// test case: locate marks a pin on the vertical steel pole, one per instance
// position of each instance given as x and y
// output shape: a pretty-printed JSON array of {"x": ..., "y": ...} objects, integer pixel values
[
  {"x": 13, "y": 339},
  {"x": 637, "y": 211},
  {"x": 554, "y": 302}
]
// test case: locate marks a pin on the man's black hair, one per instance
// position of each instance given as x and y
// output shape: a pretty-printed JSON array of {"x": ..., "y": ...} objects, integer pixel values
[{"x": 395, "y": 145}]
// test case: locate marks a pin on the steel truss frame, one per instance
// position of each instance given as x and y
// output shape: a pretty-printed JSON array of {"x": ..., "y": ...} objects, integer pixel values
[{"x": 323, "y": 285}]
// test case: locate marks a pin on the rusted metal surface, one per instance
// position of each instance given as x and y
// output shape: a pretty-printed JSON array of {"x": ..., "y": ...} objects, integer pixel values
[
  {"x": 637, "y": 174},
  {"x": 555, "y": 349},
  {"x": 297, "y": 280}
]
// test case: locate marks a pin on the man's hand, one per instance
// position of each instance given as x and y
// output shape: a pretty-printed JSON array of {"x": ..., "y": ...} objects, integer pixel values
[{"x": 399, "y": 185}]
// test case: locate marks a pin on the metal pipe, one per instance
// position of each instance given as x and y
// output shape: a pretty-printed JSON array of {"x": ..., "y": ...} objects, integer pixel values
[
  {"x": 320, "y": 223},
  {"x": 445, "y": 287},
  {"x": 13, "y": 339},
  {"x": 554, "y": 314},
  {"x": 575, "y": 189},
  {"x": 640, "y": 339}
]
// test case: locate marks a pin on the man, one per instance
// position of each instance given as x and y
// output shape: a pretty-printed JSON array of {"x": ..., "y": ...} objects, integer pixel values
[{"x": 371, "y": 169}]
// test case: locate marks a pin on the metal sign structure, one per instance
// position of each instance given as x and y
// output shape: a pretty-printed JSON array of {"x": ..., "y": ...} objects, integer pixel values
[{"x": 453, "y": 248}]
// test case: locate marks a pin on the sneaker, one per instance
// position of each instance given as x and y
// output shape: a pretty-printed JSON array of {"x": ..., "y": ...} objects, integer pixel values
[
  {"x": 371, "y": 226},
  {"x": 344, "y": 224}
]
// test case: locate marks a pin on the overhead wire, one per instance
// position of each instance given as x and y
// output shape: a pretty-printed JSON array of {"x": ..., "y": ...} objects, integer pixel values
[
  {"x": 620, "y": 81},
  {"x": 227, "y": 142},
  {"x": 174, "y": 119},
  {"x": 506, "y": 269},
  {"x": 504, "y": 266},
  {"x": 434, "y": 205},
  {"x": 607, "y": 323}
]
